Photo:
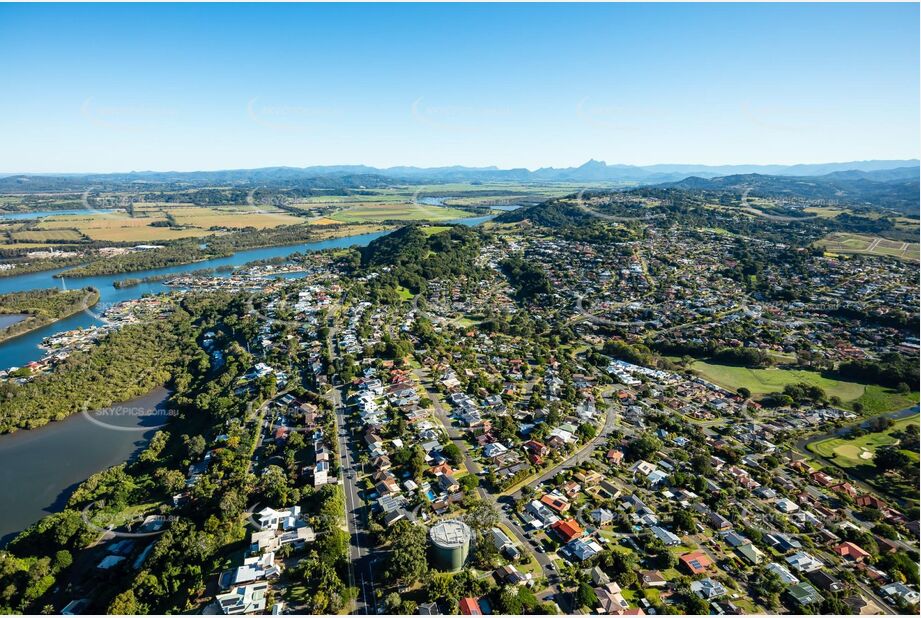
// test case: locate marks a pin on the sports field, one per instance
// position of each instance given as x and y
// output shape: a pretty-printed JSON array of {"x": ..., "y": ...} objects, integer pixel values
[
  {"x": 859, "y": 451},
  {"x": 764, "y": 381},
  {"x": 846, "y": 243}
]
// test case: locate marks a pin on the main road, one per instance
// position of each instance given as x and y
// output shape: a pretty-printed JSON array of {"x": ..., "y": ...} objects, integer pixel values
[{"x": 361, "y": 562}]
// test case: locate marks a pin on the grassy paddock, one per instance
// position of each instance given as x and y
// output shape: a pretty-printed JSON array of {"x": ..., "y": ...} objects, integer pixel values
[
  {"x": 879, "y": 399},
  {"x": 764, "y": 381}
]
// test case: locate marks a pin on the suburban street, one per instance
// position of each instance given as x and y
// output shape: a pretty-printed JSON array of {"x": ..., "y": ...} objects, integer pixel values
[{"x": 361, "y": 571}]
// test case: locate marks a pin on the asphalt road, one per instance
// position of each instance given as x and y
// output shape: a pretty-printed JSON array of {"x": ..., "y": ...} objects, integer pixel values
[{"x": 361, "y": 565}]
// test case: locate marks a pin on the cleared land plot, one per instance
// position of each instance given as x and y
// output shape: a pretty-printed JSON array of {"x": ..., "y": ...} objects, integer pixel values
[
  {"x": 845, "y": 243},
  {"x": 96, "y": 221},
  {"x": 764, "y": 381},
  {"x": 324, "y": 221},
  {"x": 4, "y": 244},
  {"x": 431, "y": 230},
  {"x": 149, "y": 224}
]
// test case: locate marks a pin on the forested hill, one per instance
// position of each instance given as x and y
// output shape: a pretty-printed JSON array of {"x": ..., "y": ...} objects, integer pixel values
[
  {"x": 415, "y": 256},
  {"x": 557, "y": 212}
]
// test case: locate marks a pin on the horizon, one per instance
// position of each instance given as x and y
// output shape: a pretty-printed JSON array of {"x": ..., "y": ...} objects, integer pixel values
[
  {"x": 701, "y": 166},
  {"x": 119, "y": 88}
]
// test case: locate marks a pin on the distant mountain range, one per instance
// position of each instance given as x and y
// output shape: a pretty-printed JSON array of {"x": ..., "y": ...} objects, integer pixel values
[
  {"x": 590, "y": 172},
  {"x": 896, "y": 188}
]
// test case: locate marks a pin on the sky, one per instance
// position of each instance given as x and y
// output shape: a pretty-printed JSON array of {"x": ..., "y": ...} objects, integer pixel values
[{"x": 104, "y": 88}]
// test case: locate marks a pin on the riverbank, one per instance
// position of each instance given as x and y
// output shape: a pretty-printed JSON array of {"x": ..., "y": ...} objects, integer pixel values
[
  {"x": 40, "y": 468},
  {"x": 204, "y": 249},
  {"x": 41, "y": 308}
]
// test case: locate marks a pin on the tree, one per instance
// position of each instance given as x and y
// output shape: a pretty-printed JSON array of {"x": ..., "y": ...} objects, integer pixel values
[
  {"x": 586, "y": 597},
  {"x": 171, "y": 481},
  {"x": 469, "y": 482},
  {"x": 693, "y": 604},
  {"x": 481, "y": 515},
  {"x": 274, "y": 486},
  {"x": 125, "y": 604},
  {"x": 766, "y": 586},
  {"x": 744, "y": 393},
  {"x": 393, "y": 602},
  {"x": 196, "y": 446},
  {"x": 408, "y": 562},
  {"x": 683, "y": 521},
  {"x": 888, "y": 458},
  {"x": 452, "y": 453},
  {"x": 885, "y": 530},
  {"x": 645, "y": 446},
  {"x": 586, "y": 431}
]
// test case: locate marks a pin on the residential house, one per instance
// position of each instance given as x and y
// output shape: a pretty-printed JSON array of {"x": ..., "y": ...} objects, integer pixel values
[
  {"x": 696, "y": 562},
  {"x": 468, "y": 606},
  {"x": 249, "y": 599},
  {"x": 851, "y": 552},
  {"x": 611, "y": 600},
  {"x": 567, "y": 529},
  {"x": 804, "y": 594},
  {"x": 708, "y": 588}
]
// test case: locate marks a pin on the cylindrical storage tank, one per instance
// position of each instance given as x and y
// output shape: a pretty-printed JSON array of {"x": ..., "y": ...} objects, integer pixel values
[{"x": 450, "y": 544}]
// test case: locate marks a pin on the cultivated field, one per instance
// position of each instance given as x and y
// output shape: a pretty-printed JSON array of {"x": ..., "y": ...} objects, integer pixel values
[
  {"x": 48, "y": 236},
  {"x": 370, "y": 212},
  {"x": 207, "y": 218},
  {"x": 150, "y": 222}
]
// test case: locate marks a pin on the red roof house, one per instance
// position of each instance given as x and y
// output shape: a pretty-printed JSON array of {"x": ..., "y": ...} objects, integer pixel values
[
  {"x": 567, "y": 529},
  {"x": 469, "y": 607}
]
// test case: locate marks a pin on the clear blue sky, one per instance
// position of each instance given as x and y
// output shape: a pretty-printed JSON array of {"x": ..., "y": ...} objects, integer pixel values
[{"x": 183, "y": 87}]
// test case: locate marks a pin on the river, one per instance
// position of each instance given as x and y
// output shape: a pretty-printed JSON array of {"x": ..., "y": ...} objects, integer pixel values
[{"x": 40, "y": 468}]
